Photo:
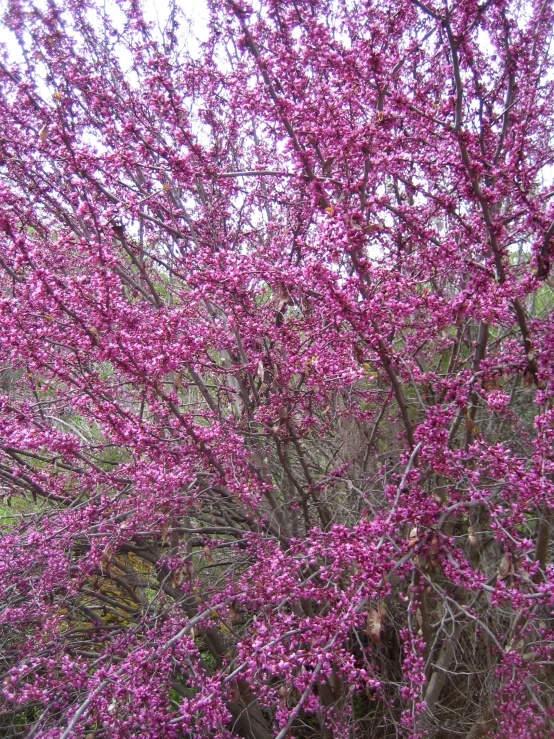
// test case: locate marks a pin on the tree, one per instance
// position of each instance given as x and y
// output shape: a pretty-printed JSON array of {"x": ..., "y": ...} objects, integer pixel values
[{"x": 278, "y": 359}]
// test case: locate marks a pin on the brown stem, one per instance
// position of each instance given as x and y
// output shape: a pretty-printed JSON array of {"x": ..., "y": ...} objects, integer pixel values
[
  {"x": 438, "y": 677},
  {"x": 543, "y": 541}
]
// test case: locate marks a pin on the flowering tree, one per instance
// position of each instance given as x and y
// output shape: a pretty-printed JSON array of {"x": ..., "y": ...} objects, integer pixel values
[{"x": 276, "y": 440}]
